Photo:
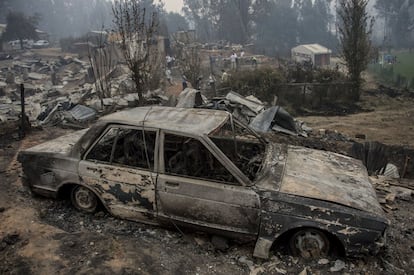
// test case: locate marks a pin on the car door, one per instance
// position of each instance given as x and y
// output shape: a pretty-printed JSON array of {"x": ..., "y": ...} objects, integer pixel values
[
  {"x": 195, "y": 188},
  {"x": 119, "y": 167}
]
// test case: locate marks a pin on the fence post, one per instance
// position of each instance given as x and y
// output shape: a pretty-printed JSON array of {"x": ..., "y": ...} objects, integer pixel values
[
  {"x": 22, "y": 127},
  {"x": 304, "y": 94}
]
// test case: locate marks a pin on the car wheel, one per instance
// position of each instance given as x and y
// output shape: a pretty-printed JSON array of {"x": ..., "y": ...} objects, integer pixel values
[
  {"x": 84, "y": 199},
  {"x": 309, "y": 243}
]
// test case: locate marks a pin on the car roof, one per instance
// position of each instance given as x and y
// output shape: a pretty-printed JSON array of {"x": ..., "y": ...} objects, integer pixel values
[{"x": 185, "y": 120}]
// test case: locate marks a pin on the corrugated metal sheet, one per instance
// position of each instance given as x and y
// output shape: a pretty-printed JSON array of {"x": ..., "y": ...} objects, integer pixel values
[
  {"x": 312, "y": 48},
  {"x": 82, "y": 113}
]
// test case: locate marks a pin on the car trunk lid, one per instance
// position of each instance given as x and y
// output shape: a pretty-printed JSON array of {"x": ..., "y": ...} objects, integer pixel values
[{"x": 60, "y": 145}]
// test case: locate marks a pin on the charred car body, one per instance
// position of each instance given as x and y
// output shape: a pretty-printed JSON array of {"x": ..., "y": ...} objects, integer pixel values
[{"x": 200, "y": 168}]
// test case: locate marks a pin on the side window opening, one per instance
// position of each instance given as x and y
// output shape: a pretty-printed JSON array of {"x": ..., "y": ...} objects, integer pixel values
[
  {"x": 125, "y": 147},
  {"x": 103, "y": 149},
  {"x": 135, "y": 148},
  {"x": 186, "y": 156}
]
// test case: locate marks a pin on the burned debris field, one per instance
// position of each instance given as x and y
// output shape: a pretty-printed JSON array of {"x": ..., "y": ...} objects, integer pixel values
[
  {"x": 41, "y": 235},
  {"x": 206, "y": 137}
]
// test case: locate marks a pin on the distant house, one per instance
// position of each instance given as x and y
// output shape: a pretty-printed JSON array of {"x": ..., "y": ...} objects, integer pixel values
[
  {"x": 42, "y": 35},
  {"x": 186, "y": 37},
  {"x": 315, "y": 53}
]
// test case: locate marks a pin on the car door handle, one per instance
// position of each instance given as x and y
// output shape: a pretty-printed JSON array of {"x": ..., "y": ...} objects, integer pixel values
[{"x": 172, "y": 184}]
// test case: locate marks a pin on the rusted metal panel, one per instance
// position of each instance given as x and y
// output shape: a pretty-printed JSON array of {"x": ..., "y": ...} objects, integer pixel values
[
  {"x": 48, "y": 172},
  {"x": 230, "y": 208},
  {"x": 357, "y": 230},
  {"x": 128, "y": 193},
  {"x": 273, "y": 169},
  {"x": 330, "y": 177},
  {"x": 194, "y": 121},
  {"x": 61, "y": 145}
]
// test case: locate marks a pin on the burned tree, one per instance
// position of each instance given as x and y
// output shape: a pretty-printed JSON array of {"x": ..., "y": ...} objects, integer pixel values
[
  {"x": 137, "y": 28},
  {"x": 20, "y": 26},
  {"x": 355, "y": 29},
  {"x": 188, "y": 58},
  {"x": 102, "y": 64}
]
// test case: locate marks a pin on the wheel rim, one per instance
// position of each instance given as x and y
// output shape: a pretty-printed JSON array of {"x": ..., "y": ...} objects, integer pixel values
[
  {"x": 85, "y": 199},
  {"x": 310, "y": 243}
]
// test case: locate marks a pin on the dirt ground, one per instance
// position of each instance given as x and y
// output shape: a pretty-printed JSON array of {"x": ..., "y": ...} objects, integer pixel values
[
  {"x": 391, "y": 120},
  {"x": 44, "y": 236}
]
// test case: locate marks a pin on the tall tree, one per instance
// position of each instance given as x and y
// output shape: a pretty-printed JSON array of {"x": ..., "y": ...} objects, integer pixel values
[
  {"x": 403, "y": 28},
  {"x": 136, "y": 22},
  {"x": 204, "y": 16},
  {"x": 20, "y": 26},
  {"x": 175, "y": 22},
  {"x": 398, "y": 21},
  {"x": 276, "y": 26},
  {"x": 63, "y": 18},
  {"x": 313, "y": 22},
  {"x": 355, "y": 28},
  {"x": 222, "y": 19}
]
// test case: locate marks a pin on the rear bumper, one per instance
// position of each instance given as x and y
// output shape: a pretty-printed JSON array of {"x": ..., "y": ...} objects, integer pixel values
[{"x": 37, "y": 189}]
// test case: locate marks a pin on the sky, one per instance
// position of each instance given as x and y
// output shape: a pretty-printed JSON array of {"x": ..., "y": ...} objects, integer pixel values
[{"x": 173, "y": 5}]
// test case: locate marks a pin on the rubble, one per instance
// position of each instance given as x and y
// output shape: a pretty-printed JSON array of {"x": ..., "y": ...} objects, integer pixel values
[
  {"x": 304, "y": 271},
  {"x": 69, "y": 76},
  {"x": 252, "y": 105},
  {"x": 277, "y": 119},
  {"x": 391, "y": 171},
  {"x": 37, "y": 76},
  {"x": 249, "y": 110},
  {"x": 82, "y": 113},
  {"x": 190, "y": 98},
  {"x": 338, "y": 266},
  {"x": 55, "y": 85},
  {"x": 391, "y": 189},
  {"x": 247, "y": 262},
  {"x": 220, "y": 243},
  {"x": 323, "y": 261}
]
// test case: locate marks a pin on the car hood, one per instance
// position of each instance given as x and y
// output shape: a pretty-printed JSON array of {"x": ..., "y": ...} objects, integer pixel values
[
  {"x": 60, "y": 145},
  {"x": 319, "y": 175}
]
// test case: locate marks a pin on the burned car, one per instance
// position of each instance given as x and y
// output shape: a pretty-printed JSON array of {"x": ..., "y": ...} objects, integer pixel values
[{"x": 203, "y": 169}]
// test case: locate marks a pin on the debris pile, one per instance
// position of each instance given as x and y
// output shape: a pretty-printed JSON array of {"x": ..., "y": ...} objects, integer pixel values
[
  {"x": 332, "y": 135},
  {"x": 391, "y": 189},
  {"x": 249, "y": 110},
  {"x": 59, "y": 89}
]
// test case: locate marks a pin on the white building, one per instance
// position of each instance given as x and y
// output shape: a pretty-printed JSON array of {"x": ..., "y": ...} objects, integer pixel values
[{"x": 317, "y": 54}]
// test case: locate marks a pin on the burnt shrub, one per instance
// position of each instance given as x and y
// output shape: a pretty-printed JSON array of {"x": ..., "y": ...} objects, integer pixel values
[{"x": 263, "y": 83}]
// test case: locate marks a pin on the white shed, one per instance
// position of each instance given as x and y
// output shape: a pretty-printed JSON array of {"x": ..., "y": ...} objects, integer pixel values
[{"x": 317, "y": 54}]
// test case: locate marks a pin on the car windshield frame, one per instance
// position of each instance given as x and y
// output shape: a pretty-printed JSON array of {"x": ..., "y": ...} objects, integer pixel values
[{"x": 250, "y": 136}]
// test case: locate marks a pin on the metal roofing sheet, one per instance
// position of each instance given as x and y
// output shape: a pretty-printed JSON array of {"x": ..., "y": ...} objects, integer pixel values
[
  {"x": 187, "y": 120},
  {"x": 82, "y": 113},
  {"x": 314, "y": 48}
]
